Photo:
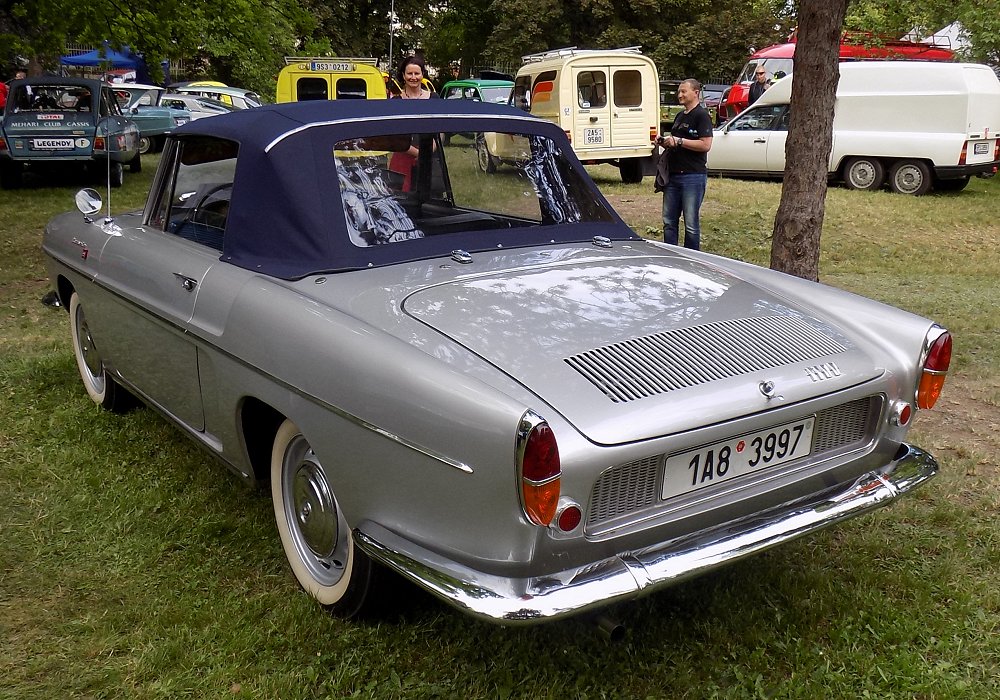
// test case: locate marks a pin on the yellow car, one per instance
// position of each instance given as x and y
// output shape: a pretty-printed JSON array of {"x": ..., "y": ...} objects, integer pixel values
[{"x": 330, "y": 79}]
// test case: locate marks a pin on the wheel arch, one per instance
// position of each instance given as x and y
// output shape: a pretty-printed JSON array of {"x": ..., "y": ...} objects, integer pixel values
[{"x": 259, "y": 423}]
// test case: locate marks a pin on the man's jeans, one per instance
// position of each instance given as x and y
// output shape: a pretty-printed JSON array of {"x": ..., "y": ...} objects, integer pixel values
[{"x": 685, "y": 193}]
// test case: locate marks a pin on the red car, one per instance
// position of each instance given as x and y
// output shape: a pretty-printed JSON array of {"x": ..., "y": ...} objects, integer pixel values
[{"x": 777, "y": 60}]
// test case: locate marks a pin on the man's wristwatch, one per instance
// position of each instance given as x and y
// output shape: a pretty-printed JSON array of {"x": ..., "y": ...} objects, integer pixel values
[{"x": 680, "y": 143}]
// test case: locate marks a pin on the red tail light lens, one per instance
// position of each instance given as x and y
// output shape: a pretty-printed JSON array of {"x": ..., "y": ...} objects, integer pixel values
[
  {"x": 965, "y": 153},
  {"x": 99, "y": 143},
  {"x": 3, "y": 144},
  {"x": 934, "y": 371},
  {"x": 539, "y": 469}
]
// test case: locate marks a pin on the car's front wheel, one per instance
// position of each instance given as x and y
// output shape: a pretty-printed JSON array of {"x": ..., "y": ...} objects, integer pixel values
[
  {"x": 101, "y": 388},
  {"x": 487, "y": 163},
  {"x": 864, "y": 174},
  {"x": 314, "y": 533},
  {"x": 145, "y": 144},
  {"x": 910, "y": 177}
]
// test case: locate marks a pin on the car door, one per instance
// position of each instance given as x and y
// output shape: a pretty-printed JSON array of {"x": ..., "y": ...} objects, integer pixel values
[
  {"x": 752, "y": 144},
  {"x": 156, "y": 277},
  {"x": 591, "y": 108}
]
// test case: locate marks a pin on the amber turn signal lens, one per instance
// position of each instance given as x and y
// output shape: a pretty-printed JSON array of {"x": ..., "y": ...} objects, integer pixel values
[
  {"x": 540, "y": 471},
  {"x": 935, "y": 371}
]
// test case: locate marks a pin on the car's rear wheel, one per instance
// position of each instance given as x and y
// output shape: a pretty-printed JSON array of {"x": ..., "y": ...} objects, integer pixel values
[
  {"x": 631, "y": 170},
  {"x": 10, "y": 175},
  {"x": 101, "y": 388},
  {"x": 911, "y": 177},
  {"x": 953, "y": 185},
  {"x": 487, "y": 163},
  {"x": 116, "y": 174},
  {"x": 314, "y": 533},
  {"x": 864, "y": 174}
]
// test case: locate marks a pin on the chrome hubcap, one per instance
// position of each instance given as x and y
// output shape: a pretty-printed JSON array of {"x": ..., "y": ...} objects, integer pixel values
[
  {"x": 91, "y": 357},
  {"x": 315, "y": 524}
]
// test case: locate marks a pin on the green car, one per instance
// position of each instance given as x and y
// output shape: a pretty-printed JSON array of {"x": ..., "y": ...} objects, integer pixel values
[{"x": 492, "y": 91}]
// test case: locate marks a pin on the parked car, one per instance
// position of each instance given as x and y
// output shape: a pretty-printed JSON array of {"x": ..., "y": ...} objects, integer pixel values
[
  {"x": 237, "y": 97},
  {"x": 606, "y": 99},
  {"x": 916, "y": 126},
  {"x": 155, "y": 120},
  {"x": 323, "y": 78},
  {"x": 494, "y": 91},
  {"x": 488, "y": 384},
  {"x": 58, "y": 123},
  {"x": 712, "y": 95},
  {"x": 198, "y": 106}
]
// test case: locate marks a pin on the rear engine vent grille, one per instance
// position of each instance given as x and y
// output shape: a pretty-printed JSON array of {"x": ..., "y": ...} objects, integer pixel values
[
  {"x": 634, "y": 486},
  {"x": 662, "y": 362}
]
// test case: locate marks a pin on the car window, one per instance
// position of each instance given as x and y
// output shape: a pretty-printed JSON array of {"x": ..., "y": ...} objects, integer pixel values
[
  {"x": 193, "y": 202},
  {"x": 390, "y": 196},
  {"x": 592, "y": 89},
  {"x": 628, "y": 88},
  {"x": 763, "y": 118},
  {"x": 453, "y": 93},
  {"x": 495, "y": 95}
]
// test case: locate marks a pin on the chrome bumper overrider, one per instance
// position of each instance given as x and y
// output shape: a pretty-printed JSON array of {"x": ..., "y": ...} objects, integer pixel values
[{"x": 631, "y": 574}]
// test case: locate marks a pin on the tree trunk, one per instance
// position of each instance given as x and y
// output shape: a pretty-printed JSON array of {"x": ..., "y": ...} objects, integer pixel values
[{"x": 799, "y": 221}]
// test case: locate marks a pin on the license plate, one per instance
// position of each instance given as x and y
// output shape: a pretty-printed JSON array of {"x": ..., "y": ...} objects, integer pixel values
[
  {"x": 593, "y": 136},
  {"x": 333, "y": 67},
  {"x": 52, "y": 144},
  {"x": 981, "y": 148},
  {"x": 737, "y": 456}
]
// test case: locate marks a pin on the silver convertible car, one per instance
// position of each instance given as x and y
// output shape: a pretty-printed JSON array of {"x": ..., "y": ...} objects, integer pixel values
[{"x": 486, "y": 383}]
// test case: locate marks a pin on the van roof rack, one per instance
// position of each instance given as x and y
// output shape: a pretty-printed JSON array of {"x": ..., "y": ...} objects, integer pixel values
[
  {"x": 574, "y": 51},
  {"x": 289, "y": 60}
]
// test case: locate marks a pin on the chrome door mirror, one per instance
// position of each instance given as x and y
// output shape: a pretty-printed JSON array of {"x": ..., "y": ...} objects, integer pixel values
[{"x": 88, "y": 201}]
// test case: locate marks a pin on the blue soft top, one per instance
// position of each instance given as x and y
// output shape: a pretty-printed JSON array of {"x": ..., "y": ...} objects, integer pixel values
[{"x": 286, "y": 218}]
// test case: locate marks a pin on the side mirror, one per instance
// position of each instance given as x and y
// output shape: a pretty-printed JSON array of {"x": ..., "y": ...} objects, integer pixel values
[{"x": 88, "y": 201}]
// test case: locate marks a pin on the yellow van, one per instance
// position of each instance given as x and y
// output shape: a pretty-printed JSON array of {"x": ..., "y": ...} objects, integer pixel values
[
  {"x": 606, "y": 100},
  {"x": 319, "y": 78}
]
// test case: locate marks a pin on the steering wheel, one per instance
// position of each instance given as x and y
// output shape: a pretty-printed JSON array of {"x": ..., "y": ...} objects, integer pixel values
[{"x": 213, "y": 212}]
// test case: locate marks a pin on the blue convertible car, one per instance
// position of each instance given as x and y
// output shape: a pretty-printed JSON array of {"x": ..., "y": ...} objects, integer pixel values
[{"x": 485, "y": 382}]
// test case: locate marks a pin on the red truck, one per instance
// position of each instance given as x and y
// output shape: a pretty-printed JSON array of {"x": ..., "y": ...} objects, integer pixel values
[{"x": 854, "y": 46}]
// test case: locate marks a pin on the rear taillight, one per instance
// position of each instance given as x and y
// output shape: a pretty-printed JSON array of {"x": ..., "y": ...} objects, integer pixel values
[
  {"x": 965, "y": 153},
  {"x": 569, "y": 135},
  {"x": 3, "y": 144},
  {"x": 935, "y": 368},
  {"x": 996, "y": 150},
  {"x": 653, "y": 133},
  {"x": 99, "y": 143},
  {"x": 538, "y": 469}
]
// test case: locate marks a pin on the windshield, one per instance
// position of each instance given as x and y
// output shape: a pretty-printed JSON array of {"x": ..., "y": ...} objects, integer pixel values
[
  {"x": 403, "y": 188},
  {"x": 779, "y": 67},
  {"x": 496, "y": 95}
]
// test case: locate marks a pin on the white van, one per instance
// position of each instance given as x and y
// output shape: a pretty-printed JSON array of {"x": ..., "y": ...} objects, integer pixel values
[
  {"x": 918, "y": 124},
  {"x": 607, "y": 102}
]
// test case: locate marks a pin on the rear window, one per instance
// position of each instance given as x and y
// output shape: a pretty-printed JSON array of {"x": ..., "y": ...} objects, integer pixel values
[{"x": 406, "y": 187}]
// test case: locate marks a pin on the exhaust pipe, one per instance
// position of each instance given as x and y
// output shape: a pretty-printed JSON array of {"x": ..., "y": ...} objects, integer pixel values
[{"x": 612, "y": 630}]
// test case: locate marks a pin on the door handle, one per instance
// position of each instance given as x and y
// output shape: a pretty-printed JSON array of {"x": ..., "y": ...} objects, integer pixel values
[
  {"x": 188, "y": 283},
  {"x": 760, "y": 140},
  {"x": 593, "y": 120}
]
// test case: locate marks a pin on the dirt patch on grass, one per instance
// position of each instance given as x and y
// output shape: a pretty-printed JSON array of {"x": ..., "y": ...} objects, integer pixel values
[{"x": 965, "y": 424}]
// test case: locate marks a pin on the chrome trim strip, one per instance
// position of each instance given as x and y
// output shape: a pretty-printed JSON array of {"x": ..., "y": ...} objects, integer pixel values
[
  {"x": 191, "y": 332},
  {"x": 396, "y": 118},
  {"x": 631, "y": 574}
]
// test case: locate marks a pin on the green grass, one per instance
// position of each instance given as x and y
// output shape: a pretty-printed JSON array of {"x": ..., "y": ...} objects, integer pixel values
[{"x": 131, "y": 565}]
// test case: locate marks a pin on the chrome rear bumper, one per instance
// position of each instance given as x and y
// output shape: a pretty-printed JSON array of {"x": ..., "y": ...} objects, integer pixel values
[{"x": 631, "y": 574}]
